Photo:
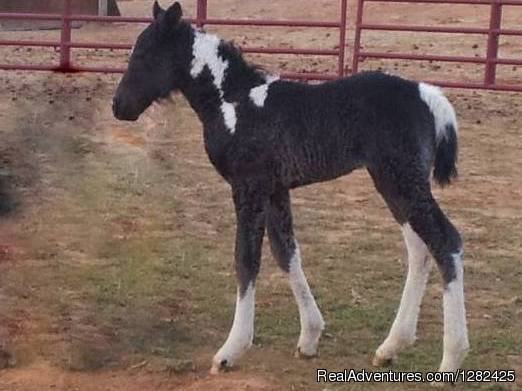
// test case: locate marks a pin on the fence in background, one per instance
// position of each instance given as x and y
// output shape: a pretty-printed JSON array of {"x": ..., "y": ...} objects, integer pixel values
[
  {"x": 490, "y": 61},
  {"x": 65, "y": 45},
  {"x": 493, "y": 32}
]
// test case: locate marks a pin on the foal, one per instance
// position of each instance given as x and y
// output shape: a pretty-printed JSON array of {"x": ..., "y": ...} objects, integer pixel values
[{"x": 266, "y": 136}]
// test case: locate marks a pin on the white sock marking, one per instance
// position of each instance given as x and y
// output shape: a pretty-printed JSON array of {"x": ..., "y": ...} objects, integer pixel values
[
  {"x": 456, "y": 342},
  {"x": 259, "y": 93},
  {"x": 242, "y": 332},
  {"x": 312, "y": 322},
  {"x": 440, "y": 107},
  {"x": 206, "y": 53},
  {"x": 403, "y": 330}
]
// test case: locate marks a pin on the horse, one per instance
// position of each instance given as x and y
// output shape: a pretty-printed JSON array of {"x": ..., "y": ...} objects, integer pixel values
[{"x": 266, "y": 136}]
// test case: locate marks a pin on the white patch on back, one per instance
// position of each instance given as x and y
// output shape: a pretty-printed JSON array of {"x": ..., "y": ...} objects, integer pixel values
[
  {"x": 206, "y": 53},
  {"x": 440, "y": 107},
  {"x": 259, "y": 93}
]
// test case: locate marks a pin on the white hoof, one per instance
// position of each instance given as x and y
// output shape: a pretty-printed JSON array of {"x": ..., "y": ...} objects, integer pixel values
[
  {"x": 386, "y": 354},
  {"x": 228, "y": 355},
  {"x": 241, "y": 334},
  {"x": 219, "y": 366},
  {"x": 309, "y": 340},
  {"x": 305, "y": 354},
  {"x": 452, "y": 360},
  {"x": 383, "y": 361}
]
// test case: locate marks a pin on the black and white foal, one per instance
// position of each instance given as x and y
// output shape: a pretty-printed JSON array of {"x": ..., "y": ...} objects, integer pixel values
[{"x": 266, "y": 136}]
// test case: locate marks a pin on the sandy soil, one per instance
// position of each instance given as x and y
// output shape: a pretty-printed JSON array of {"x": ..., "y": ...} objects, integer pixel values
[{"x": 94, "y": 212}]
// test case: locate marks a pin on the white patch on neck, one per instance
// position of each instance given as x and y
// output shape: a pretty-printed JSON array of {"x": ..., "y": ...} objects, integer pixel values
[
  {"x": 259, "y": 93},
  {"x": 229, "y": 115},
  {"x": 206, "y": 53}
]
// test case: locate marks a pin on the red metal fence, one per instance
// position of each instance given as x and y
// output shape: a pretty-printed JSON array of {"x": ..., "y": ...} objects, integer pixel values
[
  {"x": 65, "y": 44},
  {"x": 492, "y": 33},
  {"x": 490, "y": 61}
]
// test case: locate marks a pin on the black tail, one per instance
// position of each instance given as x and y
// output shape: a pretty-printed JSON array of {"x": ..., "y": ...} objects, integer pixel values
[{"x": 446, "y": 157}]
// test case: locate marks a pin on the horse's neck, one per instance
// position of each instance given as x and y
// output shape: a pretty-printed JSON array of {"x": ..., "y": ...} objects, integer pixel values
[{"x": 219, "y": 76}]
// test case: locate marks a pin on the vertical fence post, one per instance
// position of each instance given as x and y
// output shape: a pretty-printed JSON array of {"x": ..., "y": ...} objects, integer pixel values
[
  {"x": 65, "y": 38},
  {"x": 495, "y": 22},
  {"x": 342, "y": 38},
  {"x": 357, "y": 39},
  {"x": 201, "y": 13},
  {"x": 103, "y": 7}
]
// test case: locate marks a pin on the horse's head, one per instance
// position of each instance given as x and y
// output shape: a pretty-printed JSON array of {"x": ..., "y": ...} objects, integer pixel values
[{"x": 158, "y": 63}]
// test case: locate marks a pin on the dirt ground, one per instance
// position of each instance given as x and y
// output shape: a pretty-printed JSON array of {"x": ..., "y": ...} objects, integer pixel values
[{"x": 116, "y": 239}]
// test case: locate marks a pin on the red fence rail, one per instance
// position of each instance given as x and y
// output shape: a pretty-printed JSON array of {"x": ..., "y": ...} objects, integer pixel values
[
  {"x": 65, "y": 44},
  {"x": 490, "y": 61},
  {"x": 493, "y": 32}
]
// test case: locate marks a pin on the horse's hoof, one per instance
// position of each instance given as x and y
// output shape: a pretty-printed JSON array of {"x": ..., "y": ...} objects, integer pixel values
[
  {"x": 379, "y": 361},
  {"x": 304, "y": 355},
  {"x": 219, "y": 367}
]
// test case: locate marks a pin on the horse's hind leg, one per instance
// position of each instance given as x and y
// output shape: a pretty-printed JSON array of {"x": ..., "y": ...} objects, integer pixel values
[
  {"x": 286, "y": 251},
  {"x": 446, "y": 247},
  {"x": 425, "y": 225},
  {"x": 403, "y": 329}
]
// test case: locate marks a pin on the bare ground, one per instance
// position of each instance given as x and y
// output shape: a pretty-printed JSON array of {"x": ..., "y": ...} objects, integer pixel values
[{"x": 116, "y": 239}]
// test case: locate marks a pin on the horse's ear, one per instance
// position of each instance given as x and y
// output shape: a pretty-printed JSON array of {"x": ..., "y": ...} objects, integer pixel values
[
  {"x": 156, "y": 10},
  {"x": 173, "y": 14}
]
